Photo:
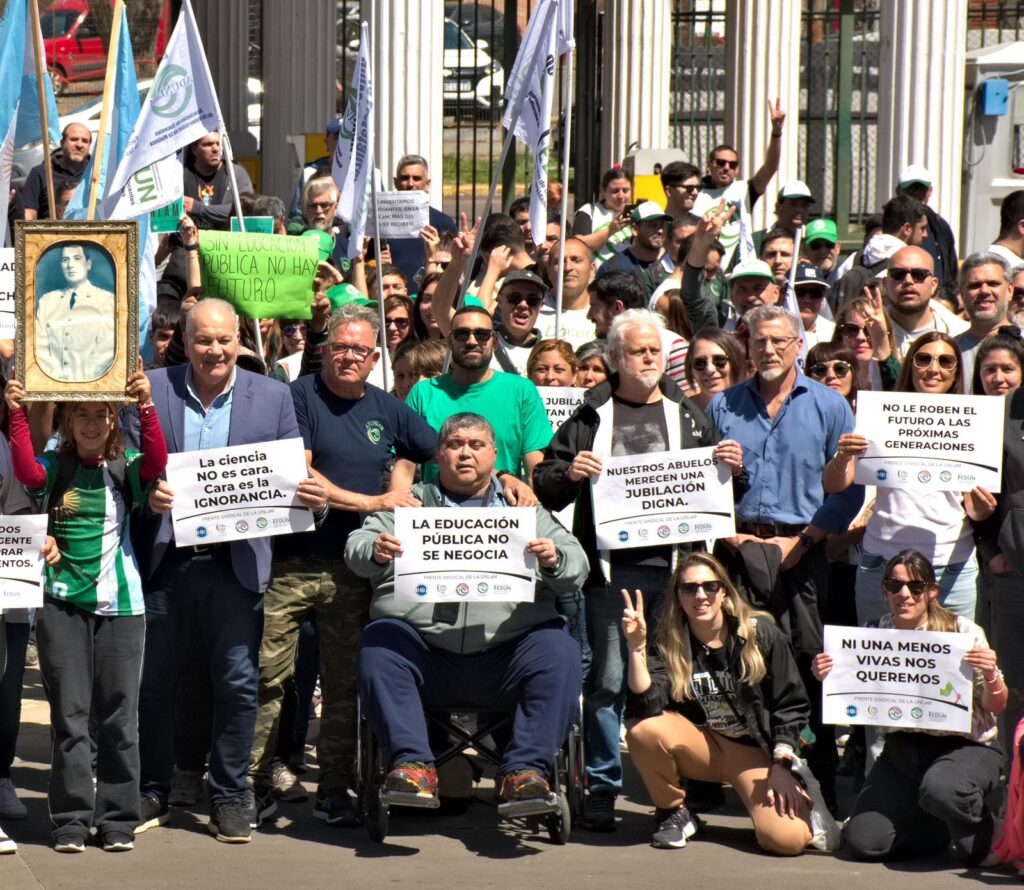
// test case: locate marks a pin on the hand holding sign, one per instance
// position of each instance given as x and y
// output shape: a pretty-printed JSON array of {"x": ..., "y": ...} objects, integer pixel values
[
  {"x": 545, "y": 551},
  {"x": 979, "y": 503},
  {"x": 386, "y": 548},
  {"x": 161, "y": 499},
  {"x": 730, "y": 453},
  {"x": 585, "y": 464},
  {"x": 50, "y": 551},
  {"x": 821, "y": 666},
  {"x": 312, "y": 494}
]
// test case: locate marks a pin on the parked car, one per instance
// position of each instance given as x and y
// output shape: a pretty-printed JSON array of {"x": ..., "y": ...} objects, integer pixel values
[
  {"x": 480, "y": 21},
  {"x": 473, "y": 81}
]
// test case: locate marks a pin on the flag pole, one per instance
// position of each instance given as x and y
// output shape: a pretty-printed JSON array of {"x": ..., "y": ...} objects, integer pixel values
[
  {"x": 41, "y": 72},
  {"x": 564, "y": 210},
  {"x": 384, "y": 358},
  {"x": 791, "y": 301},
  {"x": 108, "y": 90}
]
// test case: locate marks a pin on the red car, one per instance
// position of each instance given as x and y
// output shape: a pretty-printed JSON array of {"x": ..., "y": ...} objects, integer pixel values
[{"x": 76, "y": 41}]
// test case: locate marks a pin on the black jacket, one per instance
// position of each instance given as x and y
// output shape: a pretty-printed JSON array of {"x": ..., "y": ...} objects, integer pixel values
[
  {"x": 1004, "y": 531},
  {"x": 775, "y": 710}
]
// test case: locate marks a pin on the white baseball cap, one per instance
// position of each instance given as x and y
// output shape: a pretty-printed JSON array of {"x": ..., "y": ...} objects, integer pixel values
[
  {"x": 914, "y": 173},
  {"x": 795, "y": 189}
]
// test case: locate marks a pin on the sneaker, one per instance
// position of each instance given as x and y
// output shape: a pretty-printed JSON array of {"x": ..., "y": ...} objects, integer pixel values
[
  {"x": 10, "y": 806},
  {"x": 32, "y": 655},
  {"x": 230, "y": 821},
  {"x": 599, "y": 811},
  {"x": 336, "y": 808},
  {"x": 260, "y": 803},
  {"x": 186, "y": 788},
  {"x": 287, "y": 786},
  {"x": 6, "y": 844},
  {"x": 118, "y": 842},
  {"x": 70, "y": 844},
  {"x": 674, "y": 827},
  {"x": 524, "y": 784},
  {"x": 825, "y": 833},
  {"x": 414, "y": 778},
  {"x": 152, "y": 812}
]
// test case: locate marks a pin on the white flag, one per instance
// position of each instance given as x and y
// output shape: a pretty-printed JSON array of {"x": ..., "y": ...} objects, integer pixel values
[{"x": 181, "y": 107}]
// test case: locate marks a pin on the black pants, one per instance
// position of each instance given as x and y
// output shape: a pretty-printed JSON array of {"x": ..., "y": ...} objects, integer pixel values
[
  {"x": 92, "y": 664},
  {"x": 15, "y": 637},
  {"x": 922, "y": 792}
]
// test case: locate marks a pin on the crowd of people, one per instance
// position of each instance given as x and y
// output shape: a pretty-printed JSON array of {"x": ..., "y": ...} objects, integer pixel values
[{"x": 178, "y": 672}]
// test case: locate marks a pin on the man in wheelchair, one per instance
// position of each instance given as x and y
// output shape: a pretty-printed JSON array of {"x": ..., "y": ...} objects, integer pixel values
[{"x": 516, "y": 657}]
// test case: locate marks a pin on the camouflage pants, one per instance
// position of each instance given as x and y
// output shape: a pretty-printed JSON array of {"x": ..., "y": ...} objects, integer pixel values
[{"x": 341, "y": 602}]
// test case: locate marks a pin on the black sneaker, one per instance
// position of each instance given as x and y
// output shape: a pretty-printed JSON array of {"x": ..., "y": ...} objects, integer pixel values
[
  {"x": 152, "y": 812},
  {"x": 336, "y": 808},
  {"x": 674, "y": 827},
  {"x": 599, "y": 812},
  {"x": 118, "y": 842},
  {"x": 260, "y": 803},
  {"x": 230, "y": 821}
]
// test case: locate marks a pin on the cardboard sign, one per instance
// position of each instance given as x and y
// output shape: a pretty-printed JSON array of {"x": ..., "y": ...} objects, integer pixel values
[
  {"x": 255, "y": 225},
  {"x": 21, "y": 561}
]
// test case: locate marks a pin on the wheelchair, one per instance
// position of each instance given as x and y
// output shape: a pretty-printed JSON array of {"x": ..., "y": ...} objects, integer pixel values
[{"x": 558, "y": 812}]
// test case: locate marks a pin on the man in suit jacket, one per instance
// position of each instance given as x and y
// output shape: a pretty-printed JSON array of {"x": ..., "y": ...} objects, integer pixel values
[{"x": 210, "y": 594}]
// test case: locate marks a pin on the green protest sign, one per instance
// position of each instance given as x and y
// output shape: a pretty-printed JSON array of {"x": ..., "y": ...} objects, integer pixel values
[
  {"x": 165, "y": 219},
  {"x": 262, "y": 276},
  {"x": 258, "y": 225}
]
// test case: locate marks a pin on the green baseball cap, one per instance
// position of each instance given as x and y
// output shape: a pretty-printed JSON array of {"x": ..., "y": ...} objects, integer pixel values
[
  {"x": 325, "y": 242},
  {"x": 818, "y": 229},
  {"x": 344, "y": 293}
]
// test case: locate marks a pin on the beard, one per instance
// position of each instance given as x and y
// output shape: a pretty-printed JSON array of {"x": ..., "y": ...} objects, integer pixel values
[
  {"x": 647, "y": 379},
  {"x": 471, "y": 362},
  {"x": 773, "y": 373}
]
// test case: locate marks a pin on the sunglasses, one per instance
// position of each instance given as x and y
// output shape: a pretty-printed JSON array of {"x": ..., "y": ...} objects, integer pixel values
[
  {"x": 722, "y": 162},
  {"x": 920, "y": 276},
  {"x": 689, "y": 188},
  {"x": 924, "y": 360},
  {"x": 290, "y": 330},
  {"x": 531, "y": 300},
  {"x": 721, "y": 362},
  {"x": 690, "y": 588},
  {"x": 917, "y": 588},
  {"x": 853, "y": 330},
  {"x": 819, "y": 370},
  {"x": 819, "y": 244},
  {"x": 481, "y": 335},
  {"x": 400, "y": 323}
]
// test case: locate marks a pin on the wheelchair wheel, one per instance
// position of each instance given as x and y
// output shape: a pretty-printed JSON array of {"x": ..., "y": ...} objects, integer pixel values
[
  {"x": 560, "y": 824},
  {"x": 574, "y": 774},
  {"x": 376, "y": 816}
]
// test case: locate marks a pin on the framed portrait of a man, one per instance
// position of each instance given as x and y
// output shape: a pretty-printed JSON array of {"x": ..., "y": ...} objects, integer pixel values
[{"x": 77, "y": 308}]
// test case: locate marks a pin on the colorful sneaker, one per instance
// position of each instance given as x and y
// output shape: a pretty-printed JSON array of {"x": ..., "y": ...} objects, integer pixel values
[
  {"x": 335, "y": 807},
  {"x": 524, "y": 784},
  {"x": 674, "y": 827},
  {"x": 6, "y": 844},
  {"x": 186, "y": 788},
  {"x": 414, "y": 778},
  {"x": 287, "y": 786},
  {"x": 118, "y": 842},
  {"x": 10, "y": 806}
]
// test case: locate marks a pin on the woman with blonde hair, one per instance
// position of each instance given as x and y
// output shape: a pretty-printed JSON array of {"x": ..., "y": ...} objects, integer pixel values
[{"x": 720, "y": 699}]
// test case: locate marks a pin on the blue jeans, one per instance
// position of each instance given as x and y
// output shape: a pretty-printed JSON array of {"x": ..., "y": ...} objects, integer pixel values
[
  {"x": 958, "y": 587},
  {"x": 573, "y": 608},
  {"x": 605, "y": 695},
  {"x": 198, "y": 595}
]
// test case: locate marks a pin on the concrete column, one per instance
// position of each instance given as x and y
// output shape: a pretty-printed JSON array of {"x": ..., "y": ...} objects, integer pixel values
[
  {"x": 921, "y": 98},
  {"x": 226, "y": 40},
  {"x": 299, "y": 93},
  {"x": 407, "y": 52},
  {"x": 635, "y": 72},
  {"x": 762, "y": 46}
]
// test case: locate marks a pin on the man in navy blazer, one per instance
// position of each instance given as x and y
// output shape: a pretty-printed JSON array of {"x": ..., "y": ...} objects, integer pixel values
[{"x": 210, "y": 595}]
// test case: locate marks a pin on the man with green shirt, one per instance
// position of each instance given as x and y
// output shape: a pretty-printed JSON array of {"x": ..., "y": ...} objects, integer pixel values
[{"x": 509, "y": 402}]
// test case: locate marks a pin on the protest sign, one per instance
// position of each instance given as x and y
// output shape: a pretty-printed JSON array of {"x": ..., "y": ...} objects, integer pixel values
[
  {"x": 666, "y": 497},
  {"x": 239, "y": 492},
  {"x": 402, "y": 214},
  {"x": 560, "y": 402},
  {"x": 21, "y": 561},
  {"x": 7, "y": 322},
  {"x": 475, "y": 555},
  {"x": 165, "y": 219},
  {"x": 262, "y": 276},
  {"x": 897, "y": 678},
  {"x": 257, "y": 225},
  {"x": 930, "y": 442}
]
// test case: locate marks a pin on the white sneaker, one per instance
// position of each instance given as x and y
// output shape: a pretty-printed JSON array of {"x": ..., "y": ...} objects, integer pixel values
[
  {"x": 10, "y": 806},
  {"x": 6, "y": 844},
  {"x": 825, "y": 833}
]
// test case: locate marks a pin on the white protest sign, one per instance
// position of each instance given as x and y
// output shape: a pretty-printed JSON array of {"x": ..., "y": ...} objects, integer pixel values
[
  {"x": 930, "y": 442},
  {"x": 7, "y": 322},
  {"x": 897, "y": 678},
  {"x": 402, "y": 214},
  {"x": 667, "y": 497},
  {"x": 21, "y": 561},
  {"x": 560, "y": 402},
  {"x": 472, "y": 554},
  {"x": 240, "y": 492}
]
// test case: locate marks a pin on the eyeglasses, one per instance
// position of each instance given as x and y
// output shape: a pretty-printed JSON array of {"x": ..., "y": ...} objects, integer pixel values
[
  {"x": 924, "y": 360},
  {"x": 359, "y": 353},
  {"x": 481, "y": 335},
  {"x": 514, "y": 299},
  {"x": 400, "y": 323},
  {"x": 778, "y": 343},
  {"x": 290, "y": 330},
  {"x": 853, "y": 330},
  {"x": 690, "y": 588},
  {"x": 917, "y": 588},
  {"x": 819, "y": 244},
  {"x": 819, "y": 370},
  {"x": 721, "y": 362},
  {"x": 920, "y": 276},
  {"x": 321, "y": 205},
  {"x": 723, "y": 162}
]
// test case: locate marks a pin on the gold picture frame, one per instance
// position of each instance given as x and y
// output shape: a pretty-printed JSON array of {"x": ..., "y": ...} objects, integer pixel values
[{"x": 77, "y": 305}]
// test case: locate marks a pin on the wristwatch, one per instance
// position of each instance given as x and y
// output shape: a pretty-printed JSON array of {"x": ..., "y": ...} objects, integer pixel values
[{"x": 806, "y": 541}]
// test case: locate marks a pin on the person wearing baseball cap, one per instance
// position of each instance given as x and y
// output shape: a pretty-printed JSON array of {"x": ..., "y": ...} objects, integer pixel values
[
  {"x": 648, "y": 242},
  {"x": 811, "y": 287},
  {"x": 751, "y": 284},
  {"x": 820, "y": 247},
  {"x": 519, "y": 301},
  {"x": 916, "y": 182},
  {"x": 793, "y": 206}
]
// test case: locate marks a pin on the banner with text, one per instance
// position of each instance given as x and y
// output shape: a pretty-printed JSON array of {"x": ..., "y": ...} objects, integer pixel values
[
  {"x": 165, "y": 219},
  {"x": 667, "y": 497},
  {"x": 931, "y": 442},
  {"x": 7, "y": 316},
  {"x": 402, "y": 214},
  {"x": 897, "y": 678},
  {"x": 21, "y": 561},
  {"x": 560, "y": 402},
  {"x": 474, "y": 555},
  {"x": 262, "y": 276},
  {"x": 243, "y": 491}
]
